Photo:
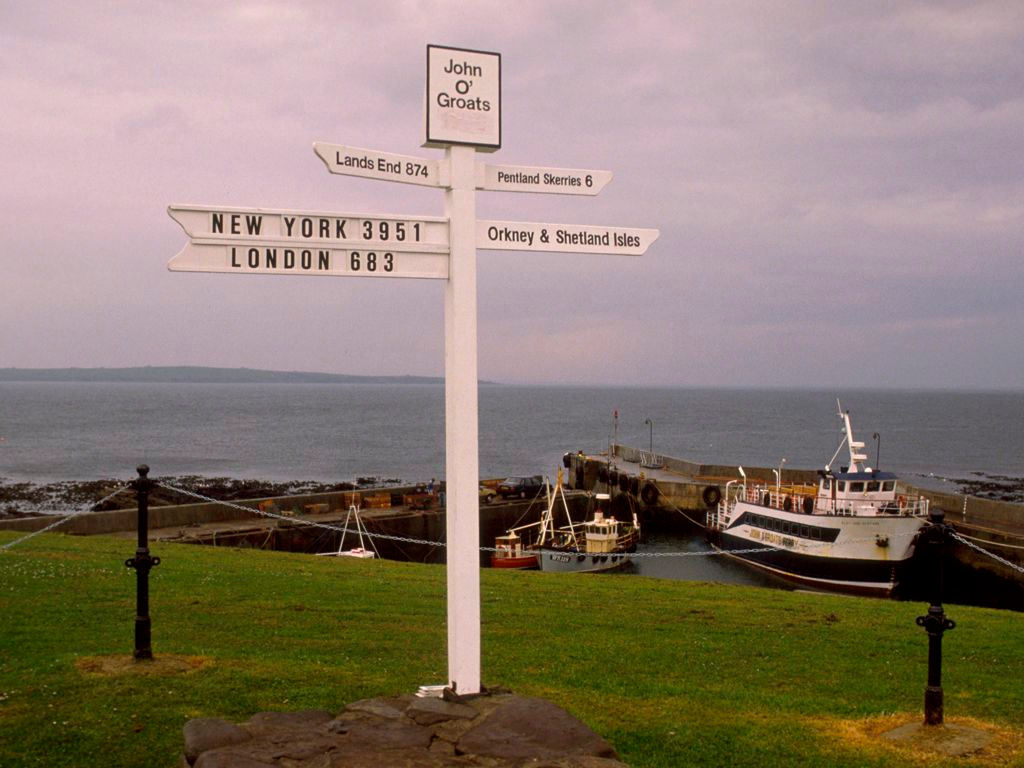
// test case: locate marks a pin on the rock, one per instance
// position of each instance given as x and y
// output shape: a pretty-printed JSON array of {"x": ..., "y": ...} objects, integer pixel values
[
  {"x": 390, "y": 709},
  {"x": 208, "y": 733},
  {"x": 390, "y": 734},
  {"x": 308, "y": 719},
  {"x": 524, "y": 728},
  {"x": 487, "y": 731},
  {"x": 431, "y": 711},
  {"x": 229, "y": 758}
]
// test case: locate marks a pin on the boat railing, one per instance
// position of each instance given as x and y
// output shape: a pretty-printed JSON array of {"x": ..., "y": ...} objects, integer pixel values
[
  {"x": 805, "y": 499},
  {"x": 792, "y": 497},
  {"x": 904, "y": 505}
]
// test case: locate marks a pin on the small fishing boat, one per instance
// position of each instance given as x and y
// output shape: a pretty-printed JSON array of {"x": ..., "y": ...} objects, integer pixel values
[
  {"x": 855, "y": 531},
  {"x": 361, "y": 551},
  {"x": 601, "y": 543},
  {"x": 509, "y": 552}
]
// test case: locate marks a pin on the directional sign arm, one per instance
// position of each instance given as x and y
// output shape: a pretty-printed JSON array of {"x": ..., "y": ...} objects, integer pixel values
[
  {"x": 277, "y": 258},
  {"x": 385, "y": 166},
  {"x": 563, "y": 238},
  {"x": 555, "y": 181},
  {"x": 397, "y": 232}
]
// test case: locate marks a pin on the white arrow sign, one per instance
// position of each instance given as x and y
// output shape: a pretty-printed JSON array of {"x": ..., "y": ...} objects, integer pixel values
[
  {"x": 371, "y": 164},
  {"x": 287, "y": 258},
  {"x": 563, "y": 238},
  {"x": 398, "y": 233},
  {"x": 525, "y": 178}
]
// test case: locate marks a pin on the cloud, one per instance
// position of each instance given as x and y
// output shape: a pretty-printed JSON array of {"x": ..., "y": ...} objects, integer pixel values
[{"x": 818, "y": 171}]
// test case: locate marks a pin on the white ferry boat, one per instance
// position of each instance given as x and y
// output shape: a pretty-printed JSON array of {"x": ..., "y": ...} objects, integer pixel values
[{"x": 854, "y": 532}]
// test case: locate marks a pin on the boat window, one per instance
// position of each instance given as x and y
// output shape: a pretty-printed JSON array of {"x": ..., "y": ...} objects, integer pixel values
[
  {"x": 842, "y": 486},
  {"x": 804, "y": 531},
  {"x": 815, "y": 533},
  {"x": 873, "y": 486},
  {"x": 889, "y": 486},
  {"x": 857, "y": 487}
]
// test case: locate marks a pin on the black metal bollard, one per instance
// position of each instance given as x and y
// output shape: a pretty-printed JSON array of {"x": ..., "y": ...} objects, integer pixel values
[
  {"x": 935, "y": 621},
  {"x": 142, "y": 563}
]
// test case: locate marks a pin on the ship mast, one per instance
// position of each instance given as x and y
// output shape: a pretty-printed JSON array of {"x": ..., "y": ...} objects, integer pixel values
[{"x": 853, "y": 446}]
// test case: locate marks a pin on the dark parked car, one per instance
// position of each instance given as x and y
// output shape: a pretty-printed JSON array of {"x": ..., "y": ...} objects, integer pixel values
[{"x": 521, "y": 487}]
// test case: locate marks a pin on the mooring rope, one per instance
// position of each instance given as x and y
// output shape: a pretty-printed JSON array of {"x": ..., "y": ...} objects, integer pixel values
[
  {"x": 672, "y": 506},
  {"x": 60, "y": 521},
  {"x": 995, "y": 557},
  {"x": 998, "y": 544}
]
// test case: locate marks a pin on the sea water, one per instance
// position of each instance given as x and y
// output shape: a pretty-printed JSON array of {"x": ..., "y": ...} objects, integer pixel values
[{"x": 332, "y": 432}]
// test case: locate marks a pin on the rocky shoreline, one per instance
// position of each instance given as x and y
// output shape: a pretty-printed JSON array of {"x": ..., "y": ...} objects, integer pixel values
[
  {"x": 26, "y": 499},
  {"x": 995, "y": 487}
]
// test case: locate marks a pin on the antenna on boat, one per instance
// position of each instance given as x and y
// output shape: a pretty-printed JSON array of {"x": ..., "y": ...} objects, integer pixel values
[{"x": 828, "y": 465}]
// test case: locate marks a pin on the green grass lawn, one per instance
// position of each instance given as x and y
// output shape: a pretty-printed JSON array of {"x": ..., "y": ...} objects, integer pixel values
[{"x": 671, "y": 673}]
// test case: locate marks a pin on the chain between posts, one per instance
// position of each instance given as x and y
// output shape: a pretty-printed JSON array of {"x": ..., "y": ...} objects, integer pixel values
[{"x": 957, "y": 537}]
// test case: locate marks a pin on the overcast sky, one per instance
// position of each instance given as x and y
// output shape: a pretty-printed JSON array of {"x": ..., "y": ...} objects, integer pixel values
[{"x": 839, "y": 187}]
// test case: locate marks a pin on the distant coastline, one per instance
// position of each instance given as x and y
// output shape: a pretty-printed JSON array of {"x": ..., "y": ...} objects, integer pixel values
[{"x": 194, "y": 374}]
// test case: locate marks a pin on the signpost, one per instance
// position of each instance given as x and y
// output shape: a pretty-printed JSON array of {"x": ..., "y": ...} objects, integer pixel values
[
  {"x": 265, "y": 241},
  {"x": 409, "y": 233},
  {"x": 265, "y": 257},
  {"x": 463, "y": 116},
  {"x": 566, "y": 238},
  {"x": 371, "y": 164},
  {"x": 526, "y": 178},
  {"x": 463, "y": 98}
]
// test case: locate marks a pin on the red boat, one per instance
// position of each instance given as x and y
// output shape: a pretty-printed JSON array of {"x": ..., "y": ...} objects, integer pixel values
[{"x": 510, "y": 553}]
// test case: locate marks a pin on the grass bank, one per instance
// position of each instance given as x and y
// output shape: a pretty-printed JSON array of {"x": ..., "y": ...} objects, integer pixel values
[{"x": 672, "y": 673}]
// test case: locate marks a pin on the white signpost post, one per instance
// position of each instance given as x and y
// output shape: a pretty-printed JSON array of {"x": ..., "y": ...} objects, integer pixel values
[{"x": 463, "y": 116}]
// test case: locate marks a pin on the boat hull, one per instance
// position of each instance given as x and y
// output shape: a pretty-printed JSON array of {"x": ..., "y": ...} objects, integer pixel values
[
  {"x": 519, "y": 562},
  {"x": 558, "y": 561},
  {"x": 864, "y": 555}
]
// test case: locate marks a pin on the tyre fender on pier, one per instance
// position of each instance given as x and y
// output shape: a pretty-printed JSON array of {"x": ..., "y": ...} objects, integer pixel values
[
  {"x": 649, "y": 494},
  {"x": 711, "y": 495}
]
